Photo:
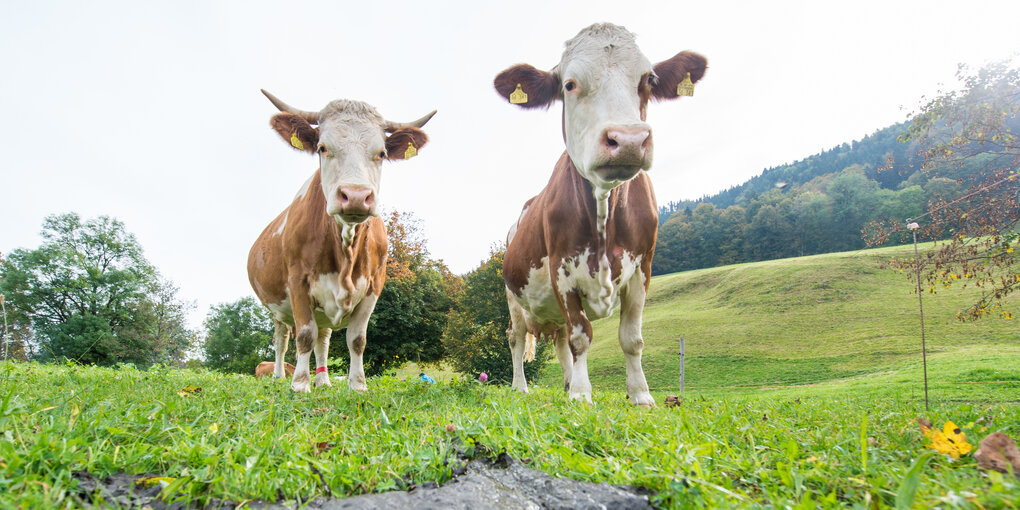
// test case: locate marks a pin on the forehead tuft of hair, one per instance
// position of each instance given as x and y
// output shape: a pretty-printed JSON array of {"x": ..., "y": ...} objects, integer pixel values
[
  {"x": 602, "y": 33},
  {"x": 348, "y": 109}
]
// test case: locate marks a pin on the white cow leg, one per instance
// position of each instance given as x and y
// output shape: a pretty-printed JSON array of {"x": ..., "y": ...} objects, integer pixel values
[
  {"x": 517, "y": 339},
  {"x": 563, "y": 354},
  {"x": 321, "y": 356},
  {"x": 281, "y": 336},
  {"x": 305, "y": 339},
  {"x": 356, "y": 329},
  {"x": 579, "y": 341},
  {"x": 633, "y": 303}
]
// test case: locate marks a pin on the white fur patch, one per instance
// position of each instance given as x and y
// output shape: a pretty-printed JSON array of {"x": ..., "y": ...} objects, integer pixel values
[
  {"x": 331, "y": 302},
  {"x": 283, "y": 223},
  {"x": 304, "y": 188}
]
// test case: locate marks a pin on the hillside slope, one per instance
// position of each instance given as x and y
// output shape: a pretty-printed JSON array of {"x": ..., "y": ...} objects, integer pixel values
[{"x": 802, "y": 321}]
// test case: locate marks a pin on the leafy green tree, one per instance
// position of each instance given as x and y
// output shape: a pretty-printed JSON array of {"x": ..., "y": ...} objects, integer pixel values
[
  {"x": 475, "y": 337},
  {"x": 969, "y": 138},
  {"x": 89, "y": 295},
  {"x": 239, "y": 336}
]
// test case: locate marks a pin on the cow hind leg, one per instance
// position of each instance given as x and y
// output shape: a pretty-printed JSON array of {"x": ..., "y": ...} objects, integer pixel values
[
  {"x": 561, "y": 340},
  {"x": 321, "y": 354},
  {"x": 281, "y": 337},
  {"x": 305, "y": 340},
  {"x": 633, "y": 303},
  {"x": 517, "y": 338}
]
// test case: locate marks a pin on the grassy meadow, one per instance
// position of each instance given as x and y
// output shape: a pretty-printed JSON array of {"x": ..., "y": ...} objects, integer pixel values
[{"x": 803, "y": 384}]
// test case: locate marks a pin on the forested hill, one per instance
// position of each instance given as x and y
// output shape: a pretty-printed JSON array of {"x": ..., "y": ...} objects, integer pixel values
[
  {"x": 826, "y": 201},
  {"x": 872, "y": 153}
]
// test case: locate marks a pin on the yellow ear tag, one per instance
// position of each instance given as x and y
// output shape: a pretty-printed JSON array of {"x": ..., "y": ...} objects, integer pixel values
[
  {"x": 518, "y": 96},
  {"x": 686, "y": 87},
  {"x": 411, "y": 151},
  {"x": 295, "y": 142}
]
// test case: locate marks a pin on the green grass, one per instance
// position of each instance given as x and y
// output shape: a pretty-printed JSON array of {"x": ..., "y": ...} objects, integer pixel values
[
  {"x": 240, "y": 438},
  {"x": 803, "y": 381}
]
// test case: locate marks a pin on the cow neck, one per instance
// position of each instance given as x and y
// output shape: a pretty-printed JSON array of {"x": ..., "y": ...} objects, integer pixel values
[
  {"x": 597, "y": 207},
  {"x": 341, "y": 250}
]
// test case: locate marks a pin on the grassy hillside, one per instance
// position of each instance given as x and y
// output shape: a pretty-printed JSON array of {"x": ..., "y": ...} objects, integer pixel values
[{"x": 806, "y": 320}]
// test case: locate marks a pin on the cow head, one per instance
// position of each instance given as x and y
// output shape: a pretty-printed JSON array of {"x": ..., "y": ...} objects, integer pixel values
[
  {"x": 352, "y": 140},
  {"x": 604, "y": 82}
]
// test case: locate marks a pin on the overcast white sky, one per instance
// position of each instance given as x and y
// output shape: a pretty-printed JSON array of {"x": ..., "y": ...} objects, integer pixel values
[{"x": 150, "y": 112}]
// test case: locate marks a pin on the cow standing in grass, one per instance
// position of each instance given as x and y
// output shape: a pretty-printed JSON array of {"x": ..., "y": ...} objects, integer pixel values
[
  {"x": 321, "y": 264},
  {"x": 583, "y": 246}
]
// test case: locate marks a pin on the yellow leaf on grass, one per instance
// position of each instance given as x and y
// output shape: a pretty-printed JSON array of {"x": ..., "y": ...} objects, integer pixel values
[
  {"x": 149, "y": 481},
  {"x": 187, "y": 390},
  {"x": 949, "y": 441}
]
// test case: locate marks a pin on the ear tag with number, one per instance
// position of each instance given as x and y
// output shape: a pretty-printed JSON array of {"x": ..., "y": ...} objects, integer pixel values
[
  {"x": 411, "y": 151},
  {"x": 295, "y": 142},
  {"x": 518, "y": 96},
  {"x": 686, "y": 87}
]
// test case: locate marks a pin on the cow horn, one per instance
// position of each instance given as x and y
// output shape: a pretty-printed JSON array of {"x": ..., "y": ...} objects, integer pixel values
[
  {"x": 393, "y": 126},
  {"x": 311, "y": 117}
]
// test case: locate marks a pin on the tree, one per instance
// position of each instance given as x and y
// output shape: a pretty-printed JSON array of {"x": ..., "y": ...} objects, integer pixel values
[
  {"x": 475, "y": 337},
  {"x": 89, "y": 295},
  {"x": 411, "y": 313},
  {"x": 970, "y": 137},
  {"x": 239, "y": 336}
]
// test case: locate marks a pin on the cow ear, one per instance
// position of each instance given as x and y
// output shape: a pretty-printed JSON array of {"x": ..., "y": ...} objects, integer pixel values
[
  {"x": 528, "y": 87},
  {"x": 296, "y": 131},
  {"x": 404, "y": 143},
  {"x": 670, "y": 73}
]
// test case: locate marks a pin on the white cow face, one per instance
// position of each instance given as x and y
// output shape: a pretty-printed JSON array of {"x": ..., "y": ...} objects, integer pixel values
[
  {"x": 604, "y": 82},
  {"x": 351, "y": 140}
]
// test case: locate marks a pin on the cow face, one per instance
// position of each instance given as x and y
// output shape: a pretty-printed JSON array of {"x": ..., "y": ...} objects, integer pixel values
[
  {"x": 604, "y": 82},
  {"x": 351, "y": 140}
]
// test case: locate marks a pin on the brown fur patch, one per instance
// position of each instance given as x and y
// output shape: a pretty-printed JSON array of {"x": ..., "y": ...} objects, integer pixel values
[
  {"x": 358, "y": 345},
  {"x": 396, "y": 143},
  {"x": 287, "y": 125},
  {"x": 542, "y": 87},
  {"x": 669, "y": 73}
]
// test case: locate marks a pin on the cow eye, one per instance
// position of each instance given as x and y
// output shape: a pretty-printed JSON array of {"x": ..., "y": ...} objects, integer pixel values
[
  {"x": 570, "y": 85},
  {"x": 651, "y": 79},
  {"x": 382, "y": 155},
  {"x": 322, "y": 149}
]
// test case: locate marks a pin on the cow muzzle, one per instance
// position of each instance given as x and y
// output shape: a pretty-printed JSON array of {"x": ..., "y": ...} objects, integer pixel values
[
  {"x": 356, "y": 203},
  {"x": 623, "y": 152}
]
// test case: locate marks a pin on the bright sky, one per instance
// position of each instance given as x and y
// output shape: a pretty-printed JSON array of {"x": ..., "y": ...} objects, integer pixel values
[{"x": 150, "y": 112}]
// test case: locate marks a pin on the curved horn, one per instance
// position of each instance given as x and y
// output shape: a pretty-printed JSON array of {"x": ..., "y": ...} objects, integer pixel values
[
  {"x": 393, "y": 126},
  {"x": 311, "y": 117}
]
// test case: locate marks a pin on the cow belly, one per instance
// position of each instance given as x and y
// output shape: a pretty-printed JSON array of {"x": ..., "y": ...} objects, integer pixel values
[
  {"x": 332, "y": 302},
  {"x": 599, "y": 290}
]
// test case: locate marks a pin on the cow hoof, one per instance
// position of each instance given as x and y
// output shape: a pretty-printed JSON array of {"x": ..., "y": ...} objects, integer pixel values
[
  {"x": 583, "y": 397},
  {"x": 644, "y": 400},
  {"x": 322, "y": 380},
  {"x": 360, "y": 388},
  {"x": 301, "y": 387}
]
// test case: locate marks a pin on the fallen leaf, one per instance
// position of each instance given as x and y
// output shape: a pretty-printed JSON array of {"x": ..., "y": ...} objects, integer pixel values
[
  {"x": 949, "y": 441},
  {"x": 450, "y": 427},
  {"x": 996, "y": 452},
  {"x": 187, "y": 390},
  {"x": 322, "y": 447},
  {"x": 672, "y": 401},
  {"x": 149, "y": 481}
]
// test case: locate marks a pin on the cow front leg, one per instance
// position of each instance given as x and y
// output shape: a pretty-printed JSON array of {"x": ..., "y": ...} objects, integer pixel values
[
  {"x": 356, "y": 329},
  {"x": 307, "y": 332},
  {"x": 281, "y": 336},
  {"x": 632, "y": 305},
  {"x": 321, "y": 356},
  {"x": 579, "y": 341},
  {"x": 517, "y": 338}
]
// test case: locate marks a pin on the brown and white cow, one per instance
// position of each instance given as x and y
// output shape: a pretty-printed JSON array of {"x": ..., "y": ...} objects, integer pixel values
[
  {"x": 584, "y": 245},
  {"x": 320, "y": 265}
]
